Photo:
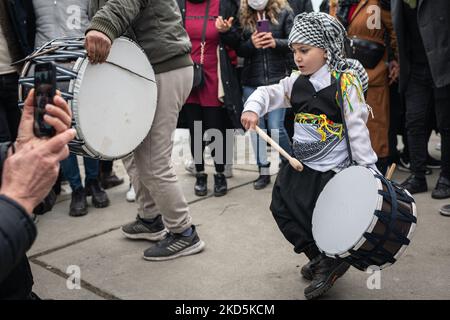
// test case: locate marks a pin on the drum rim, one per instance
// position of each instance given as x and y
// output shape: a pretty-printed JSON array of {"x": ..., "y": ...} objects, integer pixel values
[
  {"x": 375, "y": 221},
  {"x": 372, "y": 223},
  {"x": 76, "y": 85}
]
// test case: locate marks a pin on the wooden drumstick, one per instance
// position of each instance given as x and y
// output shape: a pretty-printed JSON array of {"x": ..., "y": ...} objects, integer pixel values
[
  {"x": 297, "y": 165},
  {"x": 391, "y": 171}
]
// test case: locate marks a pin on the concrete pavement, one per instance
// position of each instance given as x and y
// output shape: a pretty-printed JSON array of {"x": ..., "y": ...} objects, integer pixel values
[{"x": 246, "y": 257}]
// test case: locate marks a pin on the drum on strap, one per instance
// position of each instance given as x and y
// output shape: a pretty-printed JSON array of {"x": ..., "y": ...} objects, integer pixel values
[
  {"x": 113, "y": 103},
  {"x": 364, "y": 218}
]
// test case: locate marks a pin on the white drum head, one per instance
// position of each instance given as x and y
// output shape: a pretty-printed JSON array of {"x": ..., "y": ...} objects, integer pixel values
[
  {"x": 114, "y": 103},
  {"x": 345, "y": 210}
]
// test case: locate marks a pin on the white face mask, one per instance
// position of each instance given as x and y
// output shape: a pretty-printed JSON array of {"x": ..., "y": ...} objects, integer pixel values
[{"x": 258, "y": 4}]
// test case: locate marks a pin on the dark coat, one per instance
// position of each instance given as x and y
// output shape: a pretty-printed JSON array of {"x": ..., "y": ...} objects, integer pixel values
[
  {"x": 300, "y": 6},
  {"x": 18, "y": 24},
  {"x": 231, "y": 86},
  {"x": 267, "y": 66},
  {"x": 434, "y": 25}
]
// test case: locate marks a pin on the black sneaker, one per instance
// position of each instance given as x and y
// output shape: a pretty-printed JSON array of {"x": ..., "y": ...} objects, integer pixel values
[
  {"x": 201, "y": 185},
  {"x": 403, "y": 163},
  {"x": 307, "y": 270},
  {"x": 415, "y": 185},
  {"x": 78, "y": 205},
  {"x": 220, "y": 185},
  {"x": 326, "y": 272},
  {"x": 442, "y": 190},
  {"x": 262, "y": 182},
  {"x": 141, "y": 230},
  {"x": 99, "y": 197},
  {"x": 174, "y": 246},
  {"x": 110, "y": 180}
]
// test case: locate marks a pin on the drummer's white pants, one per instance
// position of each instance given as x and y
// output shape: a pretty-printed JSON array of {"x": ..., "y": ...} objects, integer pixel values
[{"x": 150, "y": 167}]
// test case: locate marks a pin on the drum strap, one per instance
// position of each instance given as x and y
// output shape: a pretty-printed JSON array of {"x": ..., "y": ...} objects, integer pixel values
[{"x": 341, "y": 106}]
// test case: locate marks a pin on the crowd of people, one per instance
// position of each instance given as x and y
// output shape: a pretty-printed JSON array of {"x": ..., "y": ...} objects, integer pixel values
[{"x": 230, "y": 64}]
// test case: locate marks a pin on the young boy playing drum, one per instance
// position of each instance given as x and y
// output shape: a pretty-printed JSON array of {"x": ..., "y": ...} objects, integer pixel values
[{"x": 317, "y": 41}]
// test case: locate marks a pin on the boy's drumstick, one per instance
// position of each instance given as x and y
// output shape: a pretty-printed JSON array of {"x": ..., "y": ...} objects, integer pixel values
[
  {"x": 292, "y": 161},
  {"x": 391, "y": 171}
]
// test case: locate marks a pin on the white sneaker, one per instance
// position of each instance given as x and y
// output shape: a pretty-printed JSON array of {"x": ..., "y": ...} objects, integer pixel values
[
  {"x": 189, "y": 166},
  {"x": 131, "y": 195}
]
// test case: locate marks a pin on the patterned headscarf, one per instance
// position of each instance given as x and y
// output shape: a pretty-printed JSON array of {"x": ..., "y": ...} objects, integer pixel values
[{"x": 321, "y": 30}]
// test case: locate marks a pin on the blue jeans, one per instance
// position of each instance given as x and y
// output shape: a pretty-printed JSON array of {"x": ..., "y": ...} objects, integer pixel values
[
  {"x": 275, "y": 123},
  {"x": 71, "y": 170}
]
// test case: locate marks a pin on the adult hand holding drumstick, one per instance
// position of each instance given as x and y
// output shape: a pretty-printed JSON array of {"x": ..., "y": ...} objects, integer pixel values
[{"x": 249, "y": 120}]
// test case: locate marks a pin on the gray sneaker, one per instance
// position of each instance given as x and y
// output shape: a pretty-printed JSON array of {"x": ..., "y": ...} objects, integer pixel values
[
  {"x": 141, "y": 230},
  {"x": 445, "y": 210},
  {"x": 174, "y": 246}
]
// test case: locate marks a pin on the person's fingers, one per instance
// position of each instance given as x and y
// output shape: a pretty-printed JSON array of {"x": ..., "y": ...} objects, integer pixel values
[
  {"x": 230, "y": 21},
  {"x": 59, "y": 102},
  {"x": 28, "y": 108},
  {"x": 56, "y": 143},
  {"x": 59, "y": 114},
  {"x": 56, "y": 123}
]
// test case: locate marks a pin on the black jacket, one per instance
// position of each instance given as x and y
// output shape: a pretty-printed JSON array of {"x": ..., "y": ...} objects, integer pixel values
[
  {"x": 267, "y": 66},
  {"x": 231, "y": 39},
  {"x": 434, "y": 25},
  {"x": 19, "y": 26},
  {"x": 17, "y": 230},
  {"x": 300, "y": 6}
]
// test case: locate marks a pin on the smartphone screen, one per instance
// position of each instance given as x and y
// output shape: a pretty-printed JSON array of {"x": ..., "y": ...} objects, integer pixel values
[
  {"x": 44, "y": 91},
  {"x": 263, "y": 25}
]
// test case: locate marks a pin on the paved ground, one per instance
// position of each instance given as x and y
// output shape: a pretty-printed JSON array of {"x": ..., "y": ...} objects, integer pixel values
[{"x": 246, "y": 256}]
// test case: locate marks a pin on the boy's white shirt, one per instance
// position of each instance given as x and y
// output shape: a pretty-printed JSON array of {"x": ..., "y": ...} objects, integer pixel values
[{"x": 268, "y": 98}]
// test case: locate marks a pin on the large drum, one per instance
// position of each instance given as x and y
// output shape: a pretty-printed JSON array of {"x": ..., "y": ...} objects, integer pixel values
[
  {"x": 364, "y": 218},
  {"x": 113, "y": 103}
]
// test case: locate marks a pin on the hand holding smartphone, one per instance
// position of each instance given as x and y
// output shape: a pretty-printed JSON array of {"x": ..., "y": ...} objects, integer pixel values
[
  {"x": 263, "y": 26},
  {"x": 44, "y": 91}
]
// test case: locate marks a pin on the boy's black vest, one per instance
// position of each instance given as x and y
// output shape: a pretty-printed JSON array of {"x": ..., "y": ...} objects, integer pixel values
[{"x": 305, "y": 99}]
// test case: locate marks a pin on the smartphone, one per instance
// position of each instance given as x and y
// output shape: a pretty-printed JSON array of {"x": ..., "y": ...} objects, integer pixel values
[
  {"x": 44, "y": 91},
  {"x": 263, "y": 26}
]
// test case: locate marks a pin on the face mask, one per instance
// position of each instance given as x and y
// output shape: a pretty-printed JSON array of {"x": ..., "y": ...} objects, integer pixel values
[{"x": 258, "y": 4}]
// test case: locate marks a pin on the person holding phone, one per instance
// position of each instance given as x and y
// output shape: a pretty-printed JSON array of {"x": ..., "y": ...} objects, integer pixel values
[
  {"x": 24, "y": 186},
  {"x": 264, "y": 46},
  {"x": 70, "y": 18}
]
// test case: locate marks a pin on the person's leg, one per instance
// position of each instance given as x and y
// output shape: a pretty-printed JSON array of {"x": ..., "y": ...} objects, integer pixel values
[
  {"x": 215, "y": 126},
  {"x": 153, "y": 156},
  {"x": 194, "y": 116},
  {"x": 72, "y": 172},
  {"x": 93, "y": 188},
  {"x": 418, "y": 98},
  {"x": 214, "y": 123},
  {"x": 70, "y": 169},
  {"x": 259, "y": 145},
  {"x": 156, "y": 172},
  {"x": 107, "y": 176},
  {"x": 148, "y": 224},
  {"x": 275, "y": 125},
  {"x": 442, "y": 107}
]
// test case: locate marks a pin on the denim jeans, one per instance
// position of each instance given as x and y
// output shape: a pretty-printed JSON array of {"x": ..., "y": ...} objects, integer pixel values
[
  {"x": 72, "y": 172},
  {"x": 275, "y": 123}
]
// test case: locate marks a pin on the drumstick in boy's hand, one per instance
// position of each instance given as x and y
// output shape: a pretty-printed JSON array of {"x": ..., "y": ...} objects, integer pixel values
[
  {"x": 391, "y": 171},
  {"x": 292, "y": 161}
]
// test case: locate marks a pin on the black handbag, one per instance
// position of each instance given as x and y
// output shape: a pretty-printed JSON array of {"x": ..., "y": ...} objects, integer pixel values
[
  {"x": 369, "y": 53},
  {"x": 199, "y": 73}
]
